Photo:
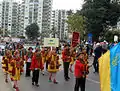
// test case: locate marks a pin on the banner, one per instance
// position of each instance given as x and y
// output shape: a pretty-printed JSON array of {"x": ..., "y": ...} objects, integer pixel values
[
  {"x": 51, "y": 42},
  {"x": 75, "y": 39}
]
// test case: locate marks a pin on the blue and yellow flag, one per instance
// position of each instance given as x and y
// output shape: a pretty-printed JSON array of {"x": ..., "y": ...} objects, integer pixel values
[{"x": 109, "y": 69}]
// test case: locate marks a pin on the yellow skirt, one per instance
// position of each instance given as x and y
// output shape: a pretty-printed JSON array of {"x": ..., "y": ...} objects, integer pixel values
[
  {"x": 17, "y": 75},
  {"x": 52, "y": 70}
]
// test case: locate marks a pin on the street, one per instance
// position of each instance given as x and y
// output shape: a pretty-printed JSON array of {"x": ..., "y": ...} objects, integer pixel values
[{"x": 92, "y": 83}]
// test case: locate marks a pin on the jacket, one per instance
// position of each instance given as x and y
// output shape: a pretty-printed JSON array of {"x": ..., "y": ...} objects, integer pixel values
[
  {"x": 65, "y": 57},
  {"x": 79, "y": 69},
  {"x": 36, "y": 64}
]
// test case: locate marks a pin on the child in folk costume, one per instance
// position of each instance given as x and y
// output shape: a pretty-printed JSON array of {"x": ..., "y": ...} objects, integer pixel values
[
  {"x": 16, "y": 64},
  {"x": 48, "y": 57},
  {"x": 36, "y": 66},
  {"x": 6, "y": 64},
  {"x": 72, "y": 55},
  {"x": 44, "y": 55},
  {"x": 86, "y": 60},
  {"x": 53, "y": 66}
]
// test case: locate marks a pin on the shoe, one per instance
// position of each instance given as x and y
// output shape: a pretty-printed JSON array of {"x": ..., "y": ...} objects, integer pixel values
[
  {"x": 12, "y": 79},
  {"x": 37, "y": 85},
  {"x": 33, "y": 83},
  {"x": 14, "y": 86},
  {"x": 71, "y": 71},
  {"x": 55, "y": 82},
  {"x": 50, "y": 80},
  {"x": 6, "y": 80},
  {"x": 17, "y": 89},
  {"x": 68, "y": 78}
]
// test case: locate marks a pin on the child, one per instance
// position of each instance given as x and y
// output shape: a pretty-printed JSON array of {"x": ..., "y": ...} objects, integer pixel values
[
  {"x": 36, "y": 66},
  {"x": 53, "y": 66},
  {"x": 16, "y": 67},
  {"x": 72, "y": 55},
  {"x": 6, "y": 64},
  {"x": 80, "y": 73}
]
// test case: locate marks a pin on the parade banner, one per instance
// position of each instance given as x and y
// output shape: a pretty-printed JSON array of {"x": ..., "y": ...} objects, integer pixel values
[
  {"x": 51, "y": 42},
  {"x": 75, "y": 39},
  {"x": 109, "y": 70}
]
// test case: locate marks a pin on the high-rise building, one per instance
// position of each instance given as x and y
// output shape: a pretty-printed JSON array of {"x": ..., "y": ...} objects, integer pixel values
[
  {"x": 31, "y": 12},
  {"x": 59, "y": 24},
  {"x": 46, "y": 20},
  {"x": 9, "y": 17}
]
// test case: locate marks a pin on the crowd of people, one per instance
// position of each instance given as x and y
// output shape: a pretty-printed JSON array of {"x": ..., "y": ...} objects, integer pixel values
[{"x": 48, "y": 59}]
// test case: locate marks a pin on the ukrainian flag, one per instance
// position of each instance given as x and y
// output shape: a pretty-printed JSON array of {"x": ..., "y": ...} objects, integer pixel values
[{"x": 109, "y": 69}]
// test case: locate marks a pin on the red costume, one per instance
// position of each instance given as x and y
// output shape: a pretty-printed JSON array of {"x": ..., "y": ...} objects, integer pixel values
[
  {"x": 79, "y": 69},
  {"x": 36, "y": 63},
  {"x": 66, "y": 55}
]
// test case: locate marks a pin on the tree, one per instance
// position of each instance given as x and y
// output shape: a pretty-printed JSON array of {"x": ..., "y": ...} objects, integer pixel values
[
  {"x": 100, "y": 14},
  {"x": 76, "y": 23},
  {"x": 32, "y": 31}
]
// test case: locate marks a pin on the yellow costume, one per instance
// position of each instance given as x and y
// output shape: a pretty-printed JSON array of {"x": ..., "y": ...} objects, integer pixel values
[
  {"x": 54, "y": 64},
  {"x": 16, "y": 65},
  {"x": 5, "y": 64}
]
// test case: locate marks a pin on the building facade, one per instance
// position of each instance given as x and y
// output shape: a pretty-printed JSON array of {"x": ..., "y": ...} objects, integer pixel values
[
  {"x": 31, "y": 12},
  {"x": 46, "y": 20},
  {"x": 9, "y": 17},
  {"x": 59, "y": 24}
]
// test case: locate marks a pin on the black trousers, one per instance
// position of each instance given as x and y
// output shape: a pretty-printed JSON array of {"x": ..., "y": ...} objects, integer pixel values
[
  {"x": 47, "y": 65},
  {"x": 28, "y": 64},
  {"x": 35, "y": 77},
  {"x": 66, "y": 69},
  {"x": 80, "y": 83},
  {"x": 95, "y": 64}
]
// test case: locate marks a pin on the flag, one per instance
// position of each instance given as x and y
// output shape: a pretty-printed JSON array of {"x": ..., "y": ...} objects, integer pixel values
[{"x": 109, "y": 69}]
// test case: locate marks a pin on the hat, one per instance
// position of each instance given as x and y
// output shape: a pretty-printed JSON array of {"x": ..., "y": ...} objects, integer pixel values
[
  {"x": 79, "y": 54},
  {"x": 98, "y": 44},
  {"x": 30, "y": 48}
]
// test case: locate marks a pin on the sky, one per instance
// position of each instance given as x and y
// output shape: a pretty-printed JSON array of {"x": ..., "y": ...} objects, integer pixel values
[{"x": 66, "y": 4}]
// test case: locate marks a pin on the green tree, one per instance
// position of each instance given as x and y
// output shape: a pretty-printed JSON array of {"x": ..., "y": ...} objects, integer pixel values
[
  {"x": 32, "y": 31},
  {"x": 100, "y": 14},
  {"x": 76, "y": 23}
]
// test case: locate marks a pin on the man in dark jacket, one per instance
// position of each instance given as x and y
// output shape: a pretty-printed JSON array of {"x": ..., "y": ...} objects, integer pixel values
[{"x": 98, "y": 53}]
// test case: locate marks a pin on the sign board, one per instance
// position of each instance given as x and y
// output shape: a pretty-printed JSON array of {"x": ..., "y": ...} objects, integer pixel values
[
  {"x": 51, "y": 42},
  {"x": 90, "y": 38},
  {"x": 75, "y": 39},
  {"x": 115, "y": 38}
]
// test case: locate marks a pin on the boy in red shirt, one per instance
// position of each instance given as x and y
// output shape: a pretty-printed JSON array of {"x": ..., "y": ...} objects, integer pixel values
[{"x": 80, "y": 73}]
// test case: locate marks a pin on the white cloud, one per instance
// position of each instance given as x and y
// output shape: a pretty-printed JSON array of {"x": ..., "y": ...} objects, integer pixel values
[{"x": 67, "y": 4}]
